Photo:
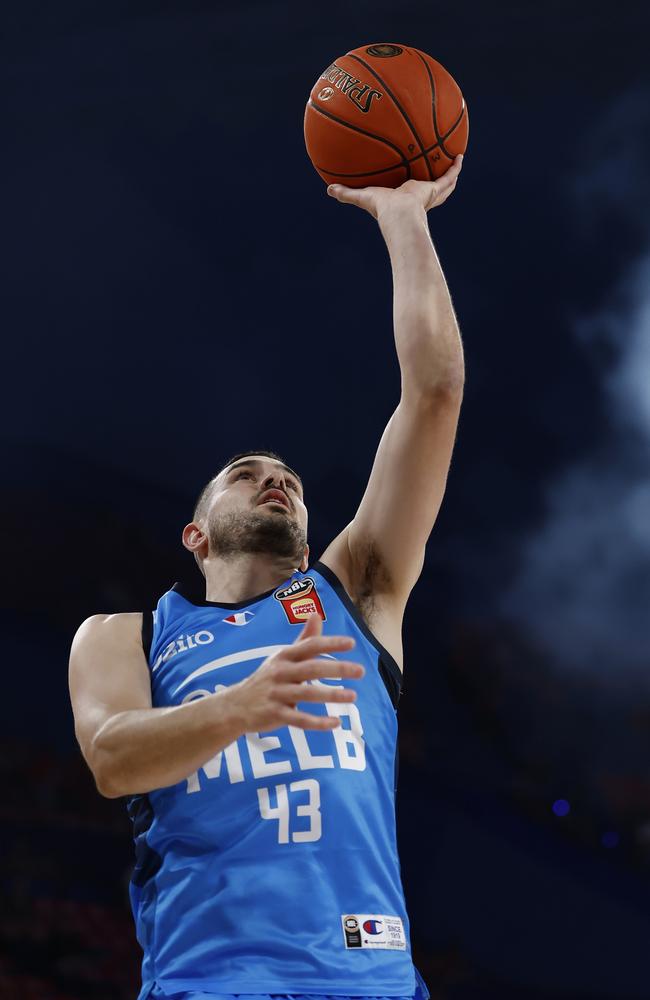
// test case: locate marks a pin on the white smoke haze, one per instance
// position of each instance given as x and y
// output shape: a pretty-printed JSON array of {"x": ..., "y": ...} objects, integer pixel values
[{"x": 583, "y": 591}]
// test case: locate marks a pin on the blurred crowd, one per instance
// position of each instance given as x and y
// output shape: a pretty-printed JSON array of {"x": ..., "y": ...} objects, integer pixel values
[
  {"x": 566, "y": 739},
  {"x": 65, "y": 927}
]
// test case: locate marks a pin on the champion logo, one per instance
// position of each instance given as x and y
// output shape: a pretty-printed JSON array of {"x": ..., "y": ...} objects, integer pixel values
[
  {"x": 373, "y": 926},
  {"x": 239, "y": 618}
]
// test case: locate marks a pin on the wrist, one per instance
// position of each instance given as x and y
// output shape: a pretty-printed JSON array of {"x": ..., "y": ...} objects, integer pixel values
[
  {"x": 401, "y": 213},
  {"x": 232, "y": 710}
]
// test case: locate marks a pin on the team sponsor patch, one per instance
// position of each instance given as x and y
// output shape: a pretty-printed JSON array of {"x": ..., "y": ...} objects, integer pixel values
[
  {"x": 373, "y": 930},
  {"x": 299, "y": 600}
]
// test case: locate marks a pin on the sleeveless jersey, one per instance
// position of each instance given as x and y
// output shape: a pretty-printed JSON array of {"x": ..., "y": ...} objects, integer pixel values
[{"x": 273, "y": 868}]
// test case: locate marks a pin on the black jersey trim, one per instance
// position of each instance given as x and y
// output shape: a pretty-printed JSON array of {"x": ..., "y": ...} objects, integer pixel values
[
  {"x": 388, "y": 669},
  {"x": 147, "y": 633},
  {"x": 147, "y": 861},
  {"x": 192, "y": 592}
]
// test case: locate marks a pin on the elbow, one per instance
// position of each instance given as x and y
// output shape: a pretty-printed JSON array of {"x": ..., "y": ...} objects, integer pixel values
[
  {"x": 99, "y": 763},
  {"x": 447, "y": 387},
  {"x": 447, "y": 378},
  {"x": 105, "y": 784},
  {"x": 114, "y": 779},
  {"x": 105, "y": 789},
  {"x": 435, "y": 377}
]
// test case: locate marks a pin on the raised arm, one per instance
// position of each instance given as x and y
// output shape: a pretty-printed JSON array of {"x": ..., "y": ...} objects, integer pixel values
[{"x": 382, "y": 549}]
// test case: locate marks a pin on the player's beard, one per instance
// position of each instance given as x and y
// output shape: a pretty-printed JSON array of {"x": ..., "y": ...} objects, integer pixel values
[{"x": 240, "y": 531}]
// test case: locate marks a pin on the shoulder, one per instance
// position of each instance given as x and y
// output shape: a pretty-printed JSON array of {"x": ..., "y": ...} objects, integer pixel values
[{"x": 107, "y": 627}]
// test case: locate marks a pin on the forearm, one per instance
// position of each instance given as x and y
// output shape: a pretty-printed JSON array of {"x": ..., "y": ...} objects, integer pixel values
[
  {"x": 427, "y": 337},
  {"x": 140, "y": 750}
]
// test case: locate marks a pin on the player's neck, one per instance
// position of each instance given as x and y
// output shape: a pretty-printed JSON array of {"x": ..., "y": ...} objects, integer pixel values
[{"x": 237, "y": 579}]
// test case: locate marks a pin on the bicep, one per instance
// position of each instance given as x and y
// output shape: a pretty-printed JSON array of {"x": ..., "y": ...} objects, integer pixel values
[{"x": 108, "y": 674}]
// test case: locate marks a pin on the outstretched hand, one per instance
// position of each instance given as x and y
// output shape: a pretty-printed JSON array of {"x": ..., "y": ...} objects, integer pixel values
[{"x": 425, "y": 194}]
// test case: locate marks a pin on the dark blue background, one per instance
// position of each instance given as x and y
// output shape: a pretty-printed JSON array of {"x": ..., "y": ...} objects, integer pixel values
[{"x": 178, "y": 287}]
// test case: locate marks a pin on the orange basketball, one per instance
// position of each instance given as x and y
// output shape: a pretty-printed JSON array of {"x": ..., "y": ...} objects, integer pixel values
[{"x": 383, "y": 114}]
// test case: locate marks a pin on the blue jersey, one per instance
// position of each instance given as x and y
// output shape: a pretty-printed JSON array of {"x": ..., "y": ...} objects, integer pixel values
[{"x": 274, "y": 867}]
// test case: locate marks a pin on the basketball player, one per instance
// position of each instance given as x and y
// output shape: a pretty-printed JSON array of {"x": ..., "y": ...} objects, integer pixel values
[{"x": 251, "y": 721}]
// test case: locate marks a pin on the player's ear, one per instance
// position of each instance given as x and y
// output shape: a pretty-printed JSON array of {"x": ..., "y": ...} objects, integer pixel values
[
  {"x": 305, "y": 560},
  {"x": 195, "y": 540}
]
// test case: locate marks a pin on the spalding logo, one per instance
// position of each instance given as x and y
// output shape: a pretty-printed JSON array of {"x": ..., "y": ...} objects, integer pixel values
[
  {"x": 361, "y": 94},
  {"x": 325, "y": 94}
]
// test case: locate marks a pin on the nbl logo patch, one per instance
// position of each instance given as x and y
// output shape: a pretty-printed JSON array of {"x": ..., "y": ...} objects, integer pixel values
[{"x": 300, "y": 600}]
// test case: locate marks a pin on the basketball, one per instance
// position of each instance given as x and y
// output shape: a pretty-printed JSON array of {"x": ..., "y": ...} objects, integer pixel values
[{"x": 384, "y": 114}]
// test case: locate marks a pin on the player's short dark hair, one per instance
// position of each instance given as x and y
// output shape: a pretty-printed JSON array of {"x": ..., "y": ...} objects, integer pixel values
[{"x": 201, "y": 505}]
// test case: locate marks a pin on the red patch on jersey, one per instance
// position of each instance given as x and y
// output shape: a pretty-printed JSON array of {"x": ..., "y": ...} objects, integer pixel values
[{"x": 299, "y": 600}]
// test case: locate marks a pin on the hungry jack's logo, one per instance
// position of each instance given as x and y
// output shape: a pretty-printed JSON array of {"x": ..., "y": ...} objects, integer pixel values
[{"x": 299, "y": 600}]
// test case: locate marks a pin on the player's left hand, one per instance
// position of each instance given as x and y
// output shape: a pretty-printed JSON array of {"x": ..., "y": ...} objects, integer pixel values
[{"x": 423, "y": 194}]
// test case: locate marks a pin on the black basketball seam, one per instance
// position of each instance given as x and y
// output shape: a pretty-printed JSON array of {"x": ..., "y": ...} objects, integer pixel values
[
  {"x": 452, "y": 129},
  {"x": 384, "y": 170},
  {"x": 363, "y": 173},
  {"x": 397, "y": 105},
  {"x": 406, "y": 161},
  {"x": 436, "y": 130},
  {"x": 403, "y": 161},
  {"x": 396, "y": 166},
  {"x": 356, "y": 128},
  {"x": 456, "y": 124},
  {"x": 427, "y": 150}
]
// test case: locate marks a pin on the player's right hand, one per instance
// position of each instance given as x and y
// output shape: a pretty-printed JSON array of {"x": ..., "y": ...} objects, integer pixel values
[{"x": 267, "y": 699}]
